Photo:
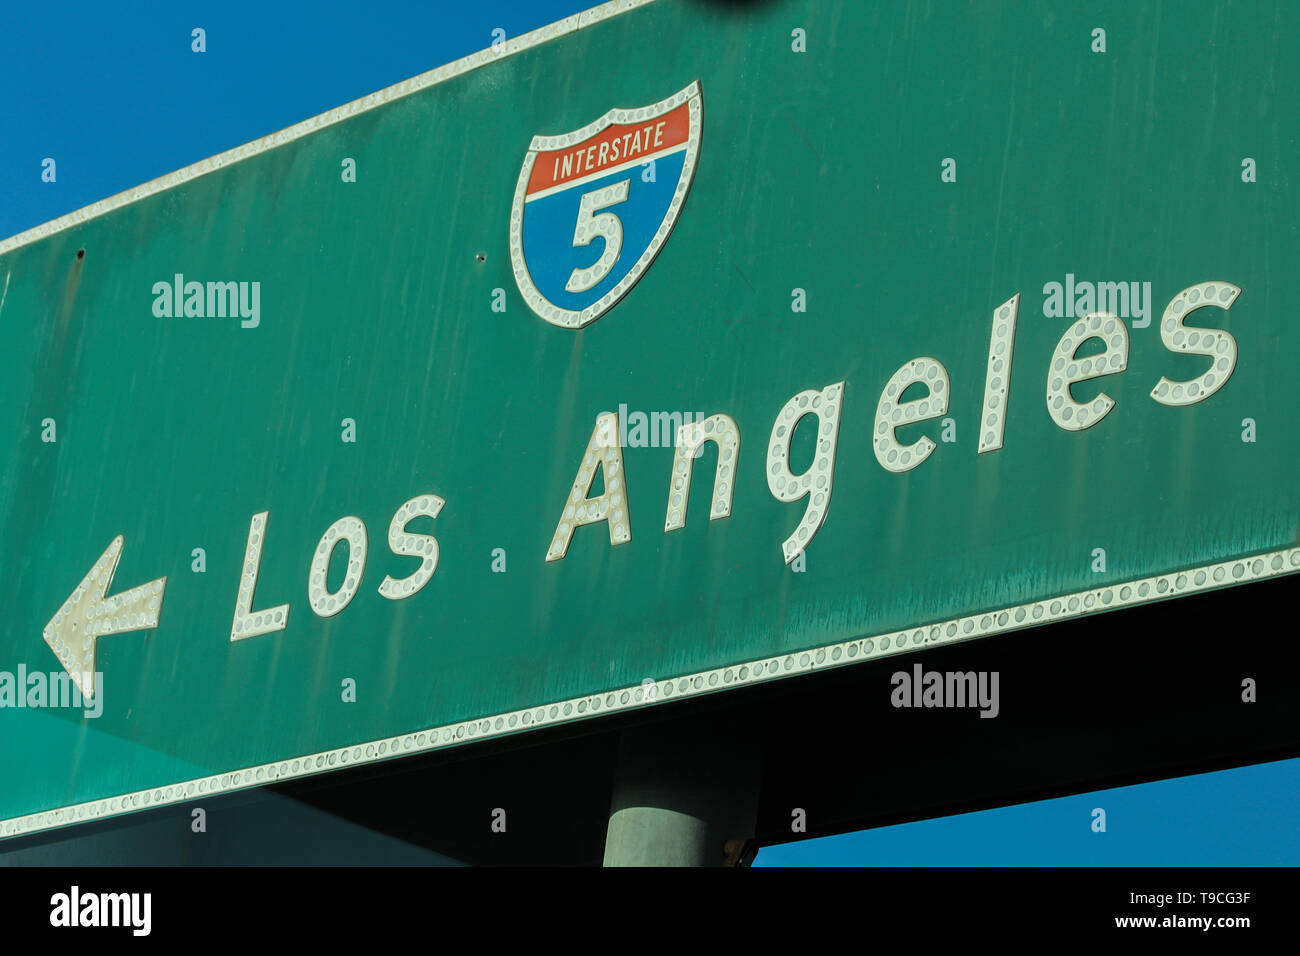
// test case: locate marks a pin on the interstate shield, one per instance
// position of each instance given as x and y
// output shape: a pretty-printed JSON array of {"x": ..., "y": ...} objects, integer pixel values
[{"x": 593, "y": 207}]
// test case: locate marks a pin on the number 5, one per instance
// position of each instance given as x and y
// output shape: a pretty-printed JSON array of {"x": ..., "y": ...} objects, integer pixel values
[{"x": 601, "y": 224}]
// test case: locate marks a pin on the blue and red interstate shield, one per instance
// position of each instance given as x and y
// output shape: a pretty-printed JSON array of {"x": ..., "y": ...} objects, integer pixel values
[{"x": 593, "y": 207}]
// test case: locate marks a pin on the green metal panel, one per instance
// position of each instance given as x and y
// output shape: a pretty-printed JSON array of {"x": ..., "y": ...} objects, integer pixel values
[{"x": 818, "y": 170}]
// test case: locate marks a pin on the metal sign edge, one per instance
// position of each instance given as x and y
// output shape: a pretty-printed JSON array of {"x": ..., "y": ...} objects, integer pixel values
[
  {"x": 422, "y": 81},
  {"x": 1077, "y": 604}
]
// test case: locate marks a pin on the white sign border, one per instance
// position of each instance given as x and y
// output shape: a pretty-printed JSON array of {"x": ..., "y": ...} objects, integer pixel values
[
  {"x": 415, "y": 84},
  {"x": 653, "y": 691}
]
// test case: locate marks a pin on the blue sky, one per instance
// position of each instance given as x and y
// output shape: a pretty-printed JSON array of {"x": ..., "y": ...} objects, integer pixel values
[
  {"x": 1241, "y": 817},
  {"x": 113, "y": 93}
]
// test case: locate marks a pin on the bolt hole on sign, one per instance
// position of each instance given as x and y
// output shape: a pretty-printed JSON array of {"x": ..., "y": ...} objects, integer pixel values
[{"x": 885, "y": 364}]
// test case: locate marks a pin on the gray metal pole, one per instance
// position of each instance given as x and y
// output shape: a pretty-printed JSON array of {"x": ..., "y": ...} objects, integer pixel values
[{"x": 685, "y": 794}]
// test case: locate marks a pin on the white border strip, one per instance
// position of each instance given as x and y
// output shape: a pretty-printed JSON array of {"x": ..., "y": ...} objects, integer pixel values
[
  {"x": 1079, "y": 604},
  {"x": 415, "y": 84}
]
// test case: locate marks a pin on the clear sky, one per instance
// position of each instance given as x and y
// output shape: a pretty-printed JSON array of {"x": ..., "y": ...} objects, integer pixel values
[
  {"x": 1248, "y": 816},
  {"x": 113, "y": 93}
]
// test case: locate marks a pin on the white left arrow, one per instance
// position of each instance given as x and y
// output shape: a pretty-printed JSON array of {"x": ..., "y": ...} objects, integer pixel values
[{"x": 87, "y": 616}]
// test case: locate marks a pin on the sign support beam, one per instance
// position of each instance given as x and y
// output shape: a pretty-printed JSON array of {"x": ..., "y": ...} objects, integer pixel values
[{"x": 683, "y": 795}]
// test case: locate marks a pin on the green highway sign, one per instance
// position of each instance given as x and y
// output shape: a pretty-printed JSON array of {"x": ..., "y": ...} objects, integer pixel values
[{"x": 670, "y": 349}]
